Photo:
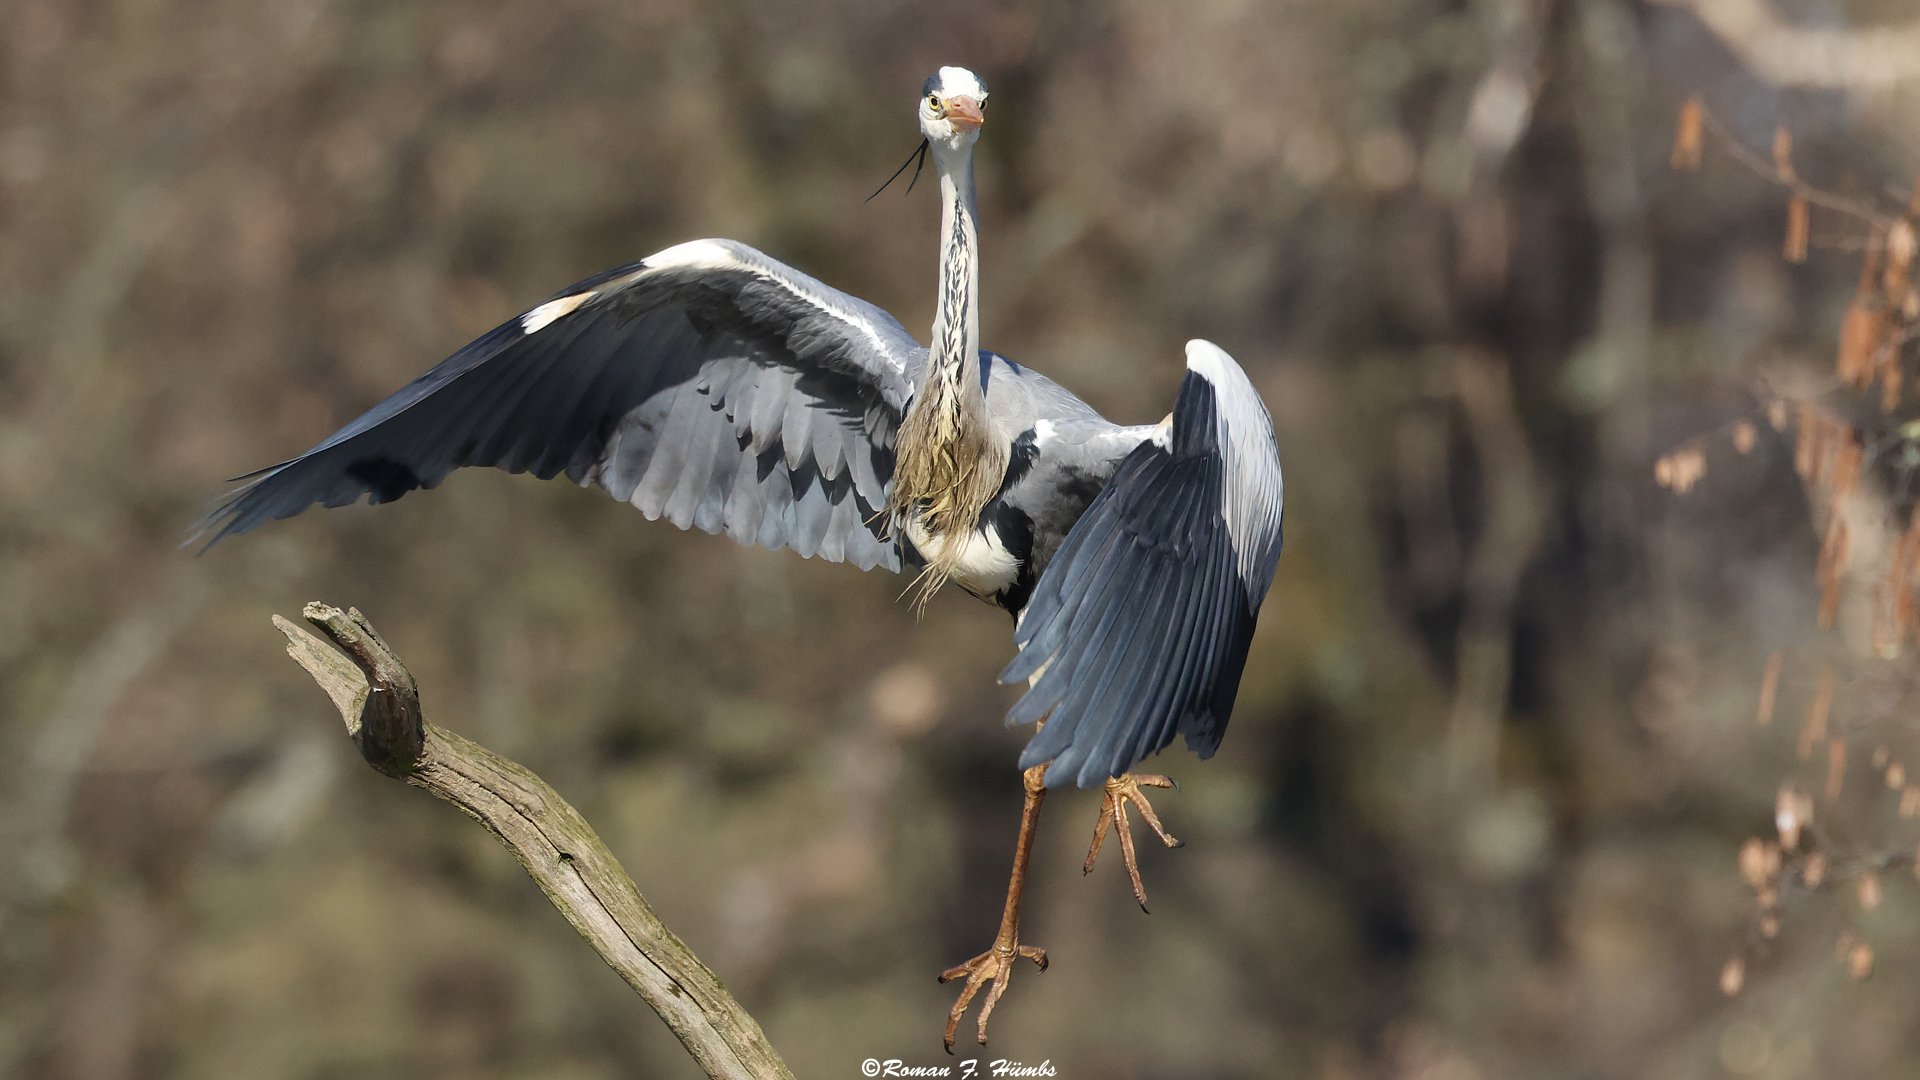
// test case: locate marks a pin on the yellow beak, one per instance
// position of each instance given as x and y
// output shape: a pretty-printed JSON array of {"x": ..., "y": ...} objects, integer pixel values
[{"x": 964, "y": 113}]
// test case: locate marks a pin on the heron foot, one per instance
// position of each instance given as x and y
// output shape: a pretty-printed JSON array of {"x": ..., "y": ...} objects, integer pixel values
[
  {"x": 1120, "y": 791},
  {"x": 992, "y": 969}
]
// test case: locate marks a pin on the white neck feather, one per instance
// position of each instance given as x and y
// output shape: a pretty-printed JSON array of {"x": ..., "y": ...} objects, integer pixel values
[{"x": 956, "y": 310}]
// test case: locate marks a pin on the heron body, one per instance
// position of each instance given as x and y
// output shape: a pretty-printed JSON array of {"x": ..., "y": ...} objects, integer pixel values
[{"x": 718, "y": 388}]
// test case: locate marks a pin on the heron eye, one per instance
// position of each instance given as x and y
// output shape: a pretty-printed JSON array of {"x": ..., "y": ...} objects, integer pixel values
[{"x": 933, "y": 102}]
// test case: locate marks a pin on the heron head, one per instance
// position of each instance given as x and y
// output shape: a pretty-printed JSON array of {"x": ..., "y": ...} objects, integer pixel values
[{"x": 950, "y": 107}]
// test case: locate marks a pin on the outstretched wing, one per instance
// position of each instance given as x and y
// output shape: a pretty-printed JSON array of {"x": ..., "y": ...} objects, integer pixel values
[
  {"x": 707, "y": 384},
  {"x": 1139, "y": 627}
]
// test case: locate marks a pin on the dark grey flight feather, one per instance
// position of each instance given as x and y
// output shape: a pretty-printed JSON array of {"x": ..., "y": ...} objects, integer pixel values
[
  {"x": 1139, "y": 628},
  {"x": 710, "y": 385}
]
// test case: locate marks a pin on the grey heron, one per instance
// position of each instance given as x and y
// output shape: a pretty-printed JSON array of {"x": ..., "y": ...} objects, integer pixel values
[{"x": 725, "y": 391}]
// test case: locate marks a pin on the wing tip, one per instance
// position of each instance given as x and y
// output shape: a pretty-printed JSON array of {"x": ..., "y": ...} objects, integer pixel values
[
  {"x": 202, "y": 535},
  {"x": 227, "y": 517}
]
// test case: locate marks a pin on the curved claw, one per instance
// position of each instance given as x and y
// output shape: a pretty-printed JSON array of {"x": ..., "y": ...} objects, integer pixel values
[
  {"x": 1120, "y": 791},
  {"x": 993, "y": 969}
]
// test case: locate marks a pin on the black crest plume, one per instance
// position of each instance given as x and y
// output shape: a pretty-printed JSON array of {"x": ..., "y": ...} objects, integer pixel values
[{"x": 919, "y": 155}]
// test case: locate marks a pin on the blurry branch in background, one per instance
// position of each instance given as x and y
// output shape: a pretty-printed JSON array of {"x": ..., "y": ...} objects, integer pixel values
[
  {"x": 1696, "y": 120},
  {"x": 378, "y": 700},
  {"x": 1513, "y": 515},
  {"x": 1854, "y": 438},
  {"x": 42, "y": 792},
  {"x": 1873, "y": 341},
  {"x": 41, "y": 796},
  {"x": 1821, "y": 58}
]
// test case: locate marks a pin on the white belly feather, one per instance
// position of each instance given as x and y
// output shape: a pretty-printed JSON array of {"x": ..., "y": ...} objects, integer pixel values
[{"x": 982, "y": 565}]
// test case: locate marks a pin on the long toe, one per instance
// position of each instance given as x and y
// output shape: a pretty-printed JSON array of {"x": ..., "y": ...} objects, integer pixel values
[
  {"x": 1120, "y": 793},
  {"x": 1139, "y": 799},
  {"x": 992, "y": 970}
]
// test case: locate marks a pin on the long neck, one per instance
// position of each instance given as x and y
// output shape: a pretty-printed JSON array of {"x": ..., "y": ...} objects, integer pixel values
[
  {"x": 956, "y": 310},
  {"x": 949, "y": 459}
]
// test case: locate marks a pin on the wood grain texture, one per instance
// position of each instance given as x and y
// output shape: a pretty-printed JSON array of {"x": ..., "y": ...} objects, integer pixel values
[{"x": 380, "y": 703}]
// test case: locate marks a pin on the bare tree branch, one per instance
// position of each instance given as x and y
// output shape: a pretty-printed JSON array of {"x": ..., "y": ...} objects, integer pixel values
[
  {"x": 378, "y": 700},
  {"x": 1789, "y": 55}
]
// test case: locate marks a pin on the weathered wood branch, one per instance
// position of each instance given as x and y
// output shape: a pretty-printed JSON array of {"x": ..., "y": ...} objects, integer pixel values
[{"x": 378, "y": 700}]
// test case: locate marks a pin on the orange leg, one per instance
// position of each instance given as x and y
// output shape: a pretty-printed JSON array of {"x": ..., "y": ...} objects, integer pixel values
[
  {"x": 1122, "y": 790},
  {"x": 994, "y": 967}
]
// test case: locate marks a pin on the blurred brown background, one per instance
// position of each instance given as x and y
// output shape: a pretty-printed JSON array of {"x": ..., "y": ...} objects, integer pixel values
[{"x": 1478, "y": 811}]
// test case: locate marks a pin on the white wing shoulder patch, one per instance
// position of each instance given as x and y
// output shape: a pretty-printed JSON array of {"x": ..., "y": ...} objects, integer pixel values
[{"x": 546, "y": 314}]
